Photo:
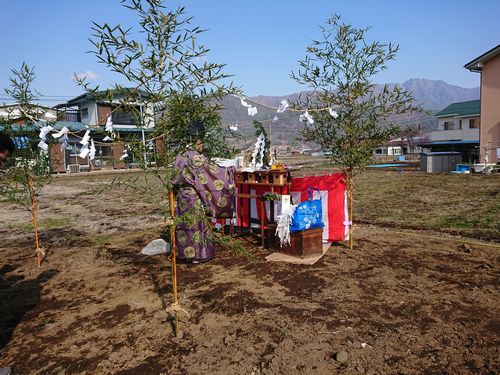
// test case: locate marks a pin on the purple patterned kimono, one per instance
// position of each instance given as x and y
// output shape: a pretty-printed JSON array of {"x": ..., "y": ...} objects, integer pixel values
[{"x": 203, "y": 184}]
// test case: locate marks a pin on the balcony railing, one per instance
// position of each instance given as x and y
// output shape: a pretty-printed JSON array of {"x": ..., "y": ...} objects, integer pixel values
[
  {"x": 455, "y": 135},
  {"x": 122, "y": 118},
  {"x": 71, "y": 115}
]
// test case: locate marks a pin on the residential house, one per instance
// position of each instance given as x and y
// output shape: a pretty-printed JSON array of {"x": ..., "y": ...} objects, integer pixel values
[
  {"x": 12, "y": 113},
  {"x": 458, "y": 130},
  {"x": 401, "y": 146},
  {"x": 488, "y": 64},
  {"x": 91, "y": 112},
  {"x": 389, "y": 150}
]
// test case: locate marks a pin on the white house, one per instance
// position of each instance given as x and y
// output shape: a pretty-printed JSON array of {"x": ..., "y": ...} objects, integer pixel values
[
  {"x": 94, "y": 110},
  {"x": 12, "y": 112},
  {"x": 458, "y": 130},
  {"x": 91, "y": 111}
]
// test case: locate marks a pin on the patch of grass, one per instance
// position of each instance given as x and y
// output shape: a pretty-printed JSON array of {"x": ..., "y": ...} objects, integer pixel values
[
  {"x": 101, "y": 239},
  {"x": 465, "y": 204}
]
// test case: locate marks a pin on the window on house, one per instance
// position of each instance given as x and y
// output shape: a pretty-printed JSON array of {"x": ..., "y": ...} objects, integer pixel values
[
  {"x": 449, "y": 125},
  {"x": 84, "y": 112},
  {"x": 474, "y": 123},
  {"x": 123, "y": 118}
]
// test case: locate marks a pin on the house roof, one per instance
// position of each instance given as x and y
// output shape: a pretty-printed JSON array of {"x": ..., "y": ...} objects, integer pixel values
[
  {"x": 33, "y": 105},
  {"x": 461, "y": 109},
  {"x": 101, "y": 94},
  {"x": 73, "y": 126},
  {"x": 80, "y": 127},
  {"x": 443, "y": 143},
  {"x": 476, "y": 65},
  {"x": 441, "y": 153}
]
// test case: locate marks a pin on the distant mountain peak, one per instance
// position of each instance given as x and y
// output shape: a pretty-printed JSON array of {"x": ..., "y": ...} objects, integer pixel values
[
  {"x": 437, "y": 94},
  {"x": 432, "y": 95}
]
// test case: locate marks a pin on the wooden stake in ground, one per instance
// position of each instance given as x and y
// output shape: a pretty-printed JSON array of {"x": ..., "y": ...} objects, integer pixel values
[
  {"x": 173, "y": 257},
  {"x": 35, "y": 224},
  {"x": 350, "y": 210}
]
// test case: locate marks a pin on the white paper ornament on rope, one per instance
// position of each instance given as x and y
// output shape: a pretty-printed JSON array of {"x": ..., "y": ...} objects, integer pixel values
[
  {"x": 64, "y": 142},
  {"x": 252, "y": 111},
  {"x": 44, "y": 146},
  {"x": 283, "y": 106},
  {"x": 244, "y": 103},
  {"x": 109, "y": 124},
  {"x": 84, "y": 152},
  {"x": 306, "y": 116},
  {"x": 92, "y": 150},
  {"x": 44, "y": 131},
  {"x": 60, "y": 133},
  {"x": 86, "y": 138},
  {"x": 333, "y": 113}
]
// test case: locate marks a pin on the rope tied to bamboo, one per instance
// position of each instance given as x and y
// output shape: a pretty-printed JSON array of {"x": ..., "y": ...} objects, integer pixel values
[
  {"x": 42, "y": 251},
  {"x": 175, "y": 307}
]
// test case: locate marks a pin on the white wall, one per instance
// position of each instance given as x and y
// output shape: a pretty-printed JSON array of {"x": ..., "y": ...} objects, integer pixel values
[
  {"x": 92, "y": 109},
  {"x": 457, "y": 134},
  {"x": 93, "y": 116}
]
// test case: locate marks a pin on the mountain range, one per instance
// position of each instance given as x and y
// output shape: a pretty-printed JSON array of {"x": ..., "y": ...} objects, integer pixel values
[{"x": 432, "y": 95}]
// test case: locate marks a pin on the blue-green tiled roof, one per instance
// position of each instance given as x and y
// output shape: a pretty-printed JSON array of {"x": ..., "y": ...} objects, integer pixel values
[
  {"x": 71, "y": 125},
  {"x": 461, "y": 109},
  {"x": 74, "y": 127}
]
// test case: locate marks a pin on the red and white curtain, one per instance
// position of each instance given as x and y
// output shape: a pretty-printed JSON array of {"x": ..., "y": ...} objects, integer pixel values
[{"x": 332, "y": 189}]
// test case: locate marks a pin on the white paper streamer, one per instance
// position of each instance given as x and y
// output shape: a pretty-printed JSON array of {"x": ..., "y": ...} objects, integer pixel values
[
  {"x": 259, "y": 151},
  {"x": 109, "y": 124},
  {"x": 283, "y": 106},
  {"x": 84, "y": 152},
  {"x": 275, "y": 118},
  {"x": 125, "y": 155},
  {"x": 244, "y": 103},
  {"x": 252, "y": 111},
  {"x": 306, "y": 116},
  {"x": 63, "y": 141},
  {"x": 60, "y": 133},
  {"x": 283, "y": 227},
  {"x": 234, "y": 127},
  {"x": 44, "y": 131},
  {"x": 86, "y": 138},
  {"x": 92, "y": 150},
  {"x": 107, "y": 138},
  {"x": 44, "y": 146},
  {"x": 333, "y": 113}
]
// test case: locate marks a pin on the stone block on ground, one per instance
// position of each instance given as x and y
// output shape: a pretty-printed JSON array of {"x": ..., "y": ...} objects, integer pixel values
[{"x": 156, "y": 247}]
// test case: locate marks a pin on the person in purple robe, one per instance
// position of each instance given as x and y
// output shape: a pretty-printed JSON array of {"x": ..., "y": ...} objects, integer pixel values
[{"x": 202, "y": 187}]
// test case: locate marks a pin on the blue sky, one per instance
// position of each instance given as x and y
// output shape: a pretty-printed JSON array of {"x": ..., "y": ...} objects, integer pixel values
[{"x": 260, "y": 41}]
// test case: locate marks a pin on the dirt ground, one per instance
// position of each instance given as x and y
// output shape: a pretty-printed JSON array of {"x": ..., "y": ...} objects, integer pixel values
[{"x": 412, "y": 303}]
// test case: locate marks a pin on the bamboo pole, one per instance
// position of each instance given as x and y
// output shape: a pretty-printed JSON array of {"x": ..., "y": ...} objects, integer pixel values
[
  {"x": 35, "y": 224},
  {"x": 350, "y": 212},
  {"x": 173, "y": 256}
]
